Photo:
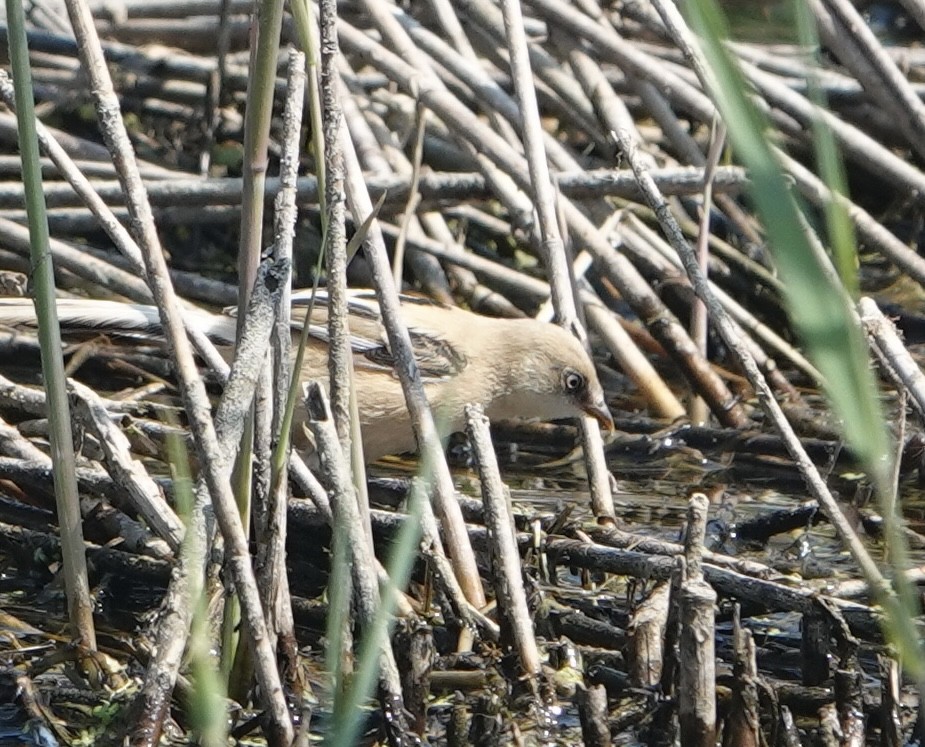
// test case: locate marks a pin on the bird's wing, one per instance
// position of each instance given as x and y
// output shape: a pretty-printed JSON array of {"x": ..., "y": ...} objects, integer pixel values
[{"x": 437, "y": 357}]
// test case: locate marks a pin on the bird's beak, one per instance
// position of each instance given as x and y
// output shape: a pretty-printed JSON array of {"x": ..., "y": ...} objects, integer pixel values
[{"x": 598, "y": 410}]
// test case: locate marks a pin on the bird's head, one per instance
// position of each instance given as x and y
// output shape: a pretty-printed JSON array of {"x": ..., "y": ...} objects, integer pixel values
[{"x": 548, "y": 375}]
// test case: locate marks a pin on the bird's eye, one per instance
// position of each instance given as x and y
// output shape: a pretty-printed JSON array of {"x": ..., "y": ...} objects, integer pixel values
[{"x": 573, "y": 381}]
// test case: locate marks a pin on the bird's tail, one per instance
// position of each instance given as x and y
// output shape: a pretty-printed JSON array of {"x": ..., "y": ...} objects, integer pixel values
[{"x": 113, "y": 317}]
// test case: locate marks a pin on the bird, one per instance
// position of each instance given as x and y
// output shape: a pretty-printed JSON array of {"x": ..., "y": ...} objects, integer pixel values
[{"x": 513, "y": 368}]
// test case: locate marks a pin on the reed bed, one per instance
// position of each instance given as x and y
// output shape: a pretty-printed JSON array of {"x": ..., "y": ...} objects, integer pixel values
[{"x": 739, "y": 561}]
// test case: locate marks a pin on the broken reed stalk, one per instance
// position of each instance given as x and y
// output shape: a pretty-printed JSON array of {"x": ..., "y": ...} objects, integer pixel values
[
  {"x": 142, "y": 492},
  {"x": 696, "y": 657},
  {"x": 646, "y": 631},
  {"x": 743, "y": 722},
  {"x": 272, "y": 576},
  {"x": 516, "y": 620}
]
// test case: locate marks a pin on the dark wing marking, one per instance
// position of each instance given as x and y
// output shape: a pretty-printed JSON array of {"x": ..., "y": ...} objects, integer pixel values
[{"x": 436, "y": 358}]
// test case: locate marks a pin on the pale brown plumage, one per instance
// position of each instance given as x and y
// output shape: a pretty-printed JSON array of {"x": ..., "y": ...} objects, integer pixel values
[{"x": 514, "y": 368}]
